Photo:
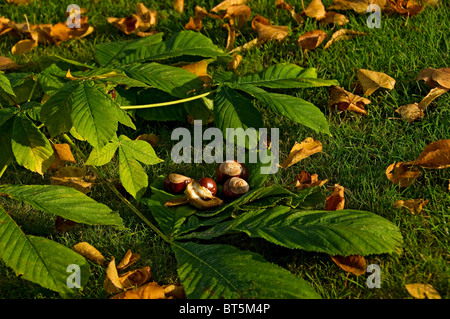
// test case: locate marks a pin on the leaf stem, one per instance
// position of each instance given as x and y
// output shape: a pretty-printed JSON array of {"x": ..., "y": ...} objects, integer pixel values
[
  {"x": 3, "y": 170},
  {"x": 146, "y": 106},
  {"x": 115, "y": 191}
]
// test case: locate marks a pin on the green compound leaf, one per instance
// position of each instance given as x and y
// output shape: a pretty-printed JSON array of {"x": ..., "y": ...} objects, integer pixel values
[
  {"x": 184, "y": 43},
  {"x": 344, "y": 232},
  {"x": 222, "y": 271},
  {"x": 40, "y": 260},
  {"x": 284, "y": 76},
  {"x": 31, "y": 148},
  {"x": 65, "y": 202}
]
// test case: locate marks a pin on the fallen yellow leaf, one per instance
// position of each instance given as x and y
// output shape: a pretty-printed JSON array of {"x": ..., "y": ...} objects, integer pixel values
[
  {"x": 410, "y": 112},
  {"x": 401, "y": 174},
  {"x": 90, "y": 252},
  {"x": 413, "y": 205},
  {"x": 312, "y": 39},
  {"x": 422, "y": 291},
  {"x": 316, "y": 10},
  {"x": 343, "y": 34},
  {"x": 305, "y": 180},
  {"x": 354, "y": 264},
  {"x": 435, "y": 77},
  {"x": 435, "y": 155},
  {"x": 372, "y": 81},
  {"x": 346, "y": 101},
  {"x": 431, "y": 96},
  {"x": 178, "y": 5},
  {"x": 302, "y": 150}
]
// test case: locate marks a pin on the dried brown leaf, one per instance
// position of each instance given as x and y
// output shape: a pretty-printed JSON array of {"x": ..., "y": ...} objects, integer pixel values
[
  {"x": 24, "y": 46},
  {"x": 129, "y": 259},
  {"x": 62, "y": 155},
  {"x": 355, "y": 264},
  {"x": 177, "y": 201},
  {"x": 413, "y": 205},
  {"x": 74, "y": 177},
  {"x": 305, "y": 180},
  {"x": 316, "y": 10},
  {"x": 151, "y": 290},
  {"x": 372, "y": 81},
  {"x": 410, "y": 112},
  {"x": 175, "y": 291},
  {"x": 359, "y": 6},
  {"x": 343, "y": 34},
  {"x": 435, "y": 77},
  {"x": 401, "y": 174},
  {"x": 227, "y": 3},
  {"x": 90, "y": 252},
  {"x": 302, "y": 150},
  {"x": 431, "y": 96},
  {"x": 112, "y": 283},
  {"x": 346, "y": 101},
  {"x": 136, "y": 278},
  {"x": 235, "y": 61},
  {"x": 312, "y": 39},
  {"x": 336, "y": 201},
  {"x": 332, "y": 17},
  {"x": 422, "y": 291},
  {"x": 7, "y": 64},
  {"x": 435, "y": 155},
  {"x": 178, "y": 5},
  {"x": 270, "y": 32},
  {"x": 63, "y": 225},
  {"x": 152, "y": 139}
]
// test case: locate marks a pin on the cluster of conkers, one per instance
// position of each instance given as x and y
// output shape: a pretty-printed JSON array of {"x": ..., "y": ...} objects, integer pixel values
[{"x": 202, "y": 193}]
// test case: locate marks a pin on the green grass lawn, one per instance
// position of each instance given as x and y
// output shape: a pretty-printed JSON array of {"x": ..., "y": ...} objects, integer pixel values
[{"x": 355, "y": 156}]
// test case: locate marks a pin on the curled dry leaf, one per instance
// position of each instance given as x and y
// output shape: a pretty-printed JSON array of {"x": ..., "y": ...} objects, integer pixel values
[
  {"x": 302, "y": 150},
  {"x": 359, "y": 6},
  {"x": 7, "y": 64},
  {"x": 139, "y": 23},
  {"x": 152, "y": 139},
  {"x": 64, "y": 225},
  {"x": 175, "y": 291},
  {"x": 136, "y": 278},
  {"x": 112, "y": 283},
  {"x": 336, "y": 201},
  {"x": 355, "y": 264},
  {"x": 90, "y": 252},
  {"x": 435, "y": 155},
  {"x": 62, "y": 155},
  {"x": 6, "y": 25},
  {"x": 413, "y": 205},
  {"x": 372, "y": 81},
  {"x": 410, "y": 112},
  {"x": 401, "y": 174},
  {"x": 405, "y": 7},
  {"x": 129, "y": 259},
  {"x": 346, "y": 101},
  {"x": 74, "y": 177},
  {"x": 435, "y": 77},
  {"x": 23, "y": 46},
  {"x": 178, "y": 5},
  {"x": 282, "y": 5},
  {"x": 305, "y": 180},
  {"x": 312, "y": 39},
  {"x": 332, "y": 17},
  {"x": 235, "y": 61},
  {"x": 422, "y": 291},
  {"x": 316, "y": 10},
  {"x": 200, "y": 69},
  {"x": 431, "y": 96},
  {"x": 343, "y": 34},
  {"x": 268, "y": 32},
  {"x": 227, "y": 3},
  {"x": 151, "y": 290}
]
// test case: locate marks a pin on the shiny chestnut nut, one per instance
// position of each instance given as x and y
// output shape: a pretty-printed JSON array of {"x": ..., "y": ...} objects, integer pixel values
[
  {"x": 229, "y": 169},
  {"x": 208, "y": 183},
  {"x": 235, "y": 187},
  {"x": 176, "y": 183}
]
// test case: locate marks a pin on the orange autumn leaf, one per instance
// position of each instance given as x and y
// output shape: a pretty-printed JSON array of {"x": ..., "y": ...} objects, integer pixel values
[
  {"x": 343, "y": 34},
  {"x": 413, "y": 205},
  {"x": 431, "y": 96},
  {"x": 136, "y": 278},
  {"x": 336, "y": 201},
  {"x": 74, "y": 177},
  {"x": 112, "y": 283},
  {"x": 316, "y": 10},
  {"x": 359, "y": 6},
  {"x": 302, "y": 150},
  {"x": 152, "y": 139},
  {"x": 24, "y": 46},
  {"x": 90, "y": 252},
  {"x": 178, "y": 5},
  {"x": 151, "y": 290},
  {"x": 281, "y": 4},
  {"x": 62, "y": 155},
  {"x": 354, "y": 264},
  {"x": 401, "y": 174},
  {"x": 346, "y": 101},
  {"x": 305, "y": 180},
  {"x": 312, "y": 39},
  {"x": 235, "y": 61},
  {"x": 227, "y": 3},
  {"x": 334, "y": 18},
  {"x": 405, "y": 7},
  {"x": 7, "y": 64},
  {"x": 139, "y": 23},
  {"x": 128, "y": 259},
  {"x": 435, "y": 155},
  {"x": 372, "y": 81}
]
